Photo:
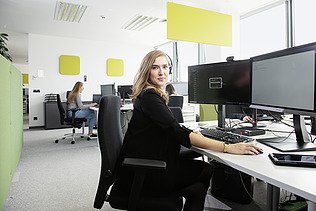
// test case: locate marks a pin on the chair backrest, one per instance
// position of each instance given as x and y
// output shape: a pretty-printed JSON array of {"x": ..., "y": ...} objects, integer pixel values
[
  {"x": 177, "y": 113},
  {"x": 109, "y": 130},
  {"x": 110, "y": 142},
  {"x": 175, "y": 101},
  {"x": 61, "y": 109}
]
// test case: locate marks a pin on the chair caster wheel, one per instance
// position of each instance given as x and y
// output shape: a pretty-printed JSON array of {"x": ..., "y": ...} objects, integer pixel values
[
  {"x": 72, "y": 142},
  {"x": 88, "y": 138},
  {"x": 56, "y": 141}
]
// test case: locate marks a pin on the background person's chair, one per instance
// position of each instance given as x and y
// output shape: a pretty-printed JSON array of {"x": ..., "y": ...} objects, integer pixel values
[
  {"x": 175, "y": 101},
  {"x": 110, "y": 142},
  {"x": 184, "y": 152},
  {"x": 74, "y": 122}
]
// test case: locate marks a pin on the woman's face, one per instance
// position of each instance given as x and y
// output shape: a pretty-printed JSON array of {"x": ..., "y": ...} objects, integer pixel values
[
  {"x": 159, "y": 72},
  {"x": 81, "y": 88}
]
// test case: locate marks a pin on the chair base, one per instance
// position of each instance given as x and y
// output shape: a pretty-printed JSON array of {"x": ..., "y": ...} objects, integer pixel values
[{"x": 73, "y": 136}]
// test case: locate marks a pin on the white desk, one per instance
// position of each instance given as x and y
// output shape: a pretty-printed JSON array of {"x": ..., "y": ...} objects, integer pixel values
[
  {"x": 298, "y": 180},
  {"x": 125, "y": 107}
]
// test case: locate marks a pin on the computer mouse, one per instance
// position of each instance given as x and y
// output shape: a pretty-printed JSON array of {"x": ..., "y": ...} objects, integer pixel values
[{"x": 260, "y": 151}]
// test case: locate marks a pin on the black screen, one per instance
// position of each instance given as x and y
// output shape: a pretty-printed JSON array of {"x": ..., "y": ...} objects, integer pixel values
[
  {"x": 226, "y": 83},
  {"x": 96, "y": 98},
  {"x": 125, "y": 91}
]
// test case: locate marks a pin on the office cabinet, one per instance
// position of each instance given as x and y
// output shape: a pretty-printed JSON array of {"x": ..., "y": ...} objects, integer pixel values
[{"x": 52, "y": 117}]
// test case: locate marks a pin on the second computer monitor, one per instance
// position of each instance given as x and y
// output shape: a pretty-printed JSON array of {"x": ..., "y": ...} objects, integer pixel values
[
  {"x": 226, "y": 83},
  {"x": 125, "y": 91},
  {"x": 107, "y": 89}
]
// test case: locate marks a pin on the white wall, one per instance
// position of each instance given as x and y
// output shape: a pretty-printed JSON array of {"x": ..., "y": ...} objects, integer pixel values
[
  {"x": 24, "y": 68},
  {"x": 44, "y": 52}
]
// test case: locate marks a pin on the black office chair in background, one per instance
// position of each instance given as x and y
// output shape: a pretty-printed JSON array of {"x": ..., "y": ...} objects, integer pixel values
[
  {"x": 175, "y": 101},
  {"x": 184, "y": 152},
  {"x": 110, "y": 142},
  {"x": 74, "y": 122}
]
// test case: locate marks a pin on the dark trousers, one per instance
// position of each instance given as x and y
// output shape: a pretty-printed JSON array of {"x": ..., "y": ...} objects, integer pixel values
[{"x": 193, "y": 180}]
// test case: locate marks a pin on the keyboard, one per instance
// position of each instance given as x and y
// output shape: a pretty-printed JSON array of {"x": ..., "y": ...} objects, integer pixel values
[{"x": 223, "y": 136}]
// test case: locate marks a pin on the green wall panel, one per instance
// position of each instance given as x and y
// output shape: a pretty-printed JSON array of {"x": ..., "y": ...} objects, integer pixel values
[
  {"x": 11, "y": 125},
  {"x": 16, "y": 125},
  {"x": 207, "y": 112}
]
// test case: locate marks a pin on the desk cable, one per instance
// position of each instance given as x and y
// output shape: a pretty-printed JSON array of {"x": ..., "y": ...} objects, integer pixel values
[{"x": 243, "y": 184}]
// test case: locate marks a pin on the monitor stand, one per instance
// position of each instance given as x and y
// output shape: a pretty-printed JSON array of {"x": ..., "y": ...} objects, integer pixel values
[
  {"x": 246, "y": 131},
  {"x": 286, "y": 144}
]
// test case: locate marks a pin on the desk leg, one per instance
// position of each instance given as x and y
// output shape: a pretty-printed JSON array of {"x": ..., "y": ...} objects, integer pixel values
[
  {"x": 273, "y": 195},
  {"x": 311, "y": 206}
]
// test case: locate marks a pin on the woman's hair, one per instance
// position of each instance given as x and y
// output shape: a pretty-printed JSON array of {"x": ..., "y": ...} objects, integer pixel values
[
  {"x": 141, "y": 80},
  {"x": 170, "y": 89},
  {"x": 74, "y": 92}
]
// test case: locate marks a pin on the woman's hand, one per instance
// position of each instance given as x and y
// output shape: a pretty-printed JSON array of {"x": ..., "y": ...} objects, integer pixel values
[
  {"x": 244, "y": 148},
  {"x": 247, "y": 119},
  {"x": 93, "y": 104}
]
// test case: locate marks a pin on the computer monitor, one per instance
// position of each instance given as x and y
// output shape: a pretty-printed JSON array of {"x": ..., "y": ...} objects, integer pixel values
[
  {"x": 226, "y": 83},
  {"x": 284, "y": 81},
  {"x": 181, "y": 88},
  {"x": 96, "y": 98},
  {"x": 107, "y": 89},
  {"x": 124, "y": 91}
]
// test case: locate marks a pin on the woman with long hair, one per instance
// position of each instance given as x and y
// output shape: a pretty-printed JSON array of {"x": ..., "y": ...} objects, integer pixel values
[
  {"x": 74, "y": 102},
  {"x": 154, "y": 133}
]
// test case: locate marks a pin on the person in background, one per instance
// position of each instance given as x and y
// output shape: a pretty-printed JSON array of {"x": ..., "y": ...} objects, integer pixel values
[
  {"x": 74, "y": 102},
  {"x": 154, "y": 133},
  {"x": 239, "y": 112},
  {"x": 170, "y": 90}
]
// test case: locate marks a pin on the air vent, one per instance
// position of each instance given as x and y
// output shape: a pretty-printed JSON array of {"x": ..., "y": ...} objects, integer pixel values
[
  {"x": 69, "y": 12},
  {"x": 138, "y": 22}
]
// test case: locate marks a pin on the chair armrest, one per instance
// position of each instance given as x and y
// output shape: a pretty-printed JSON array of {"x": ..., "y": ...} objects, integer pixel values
[
  {"x": 145, "y": 163},
  {"x": 141, "y": 167}
]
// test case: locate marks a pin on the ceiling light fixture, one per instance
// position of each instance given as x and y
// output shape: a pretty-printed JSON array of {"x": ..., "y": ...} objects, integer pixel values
[
  {"x": 69, "y": 12},
  {"x": 138, "y": 22}
]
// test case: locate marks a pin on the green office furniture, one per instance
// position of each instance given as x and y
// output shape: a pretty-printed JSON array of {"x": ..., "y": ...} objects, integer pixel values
[
  {"x": 208, "y": 112},
  {"x": 69, "y": 65},
  {"x": 11, "y": 126}
]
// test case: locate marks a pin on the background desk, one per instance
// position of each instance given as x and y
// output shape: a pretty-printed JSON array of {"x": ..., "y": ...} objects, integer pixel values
[
  {"x": 126, "y": 114},
  {"x": 297, "y": 180}
]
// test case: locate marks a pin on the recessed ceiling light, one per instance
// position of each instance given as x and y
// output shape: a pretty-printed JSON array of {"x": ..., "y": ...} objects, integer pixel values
[
  {"x": 69, "y": 12},
  {"x": 138, "y": 22}
]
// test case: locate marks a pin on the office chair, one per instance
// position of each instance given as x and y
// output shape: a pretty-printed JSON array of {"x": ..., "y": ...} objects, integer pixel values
[
  {"x": 110, "y": 142},
  {"x": 74, "y": 122},
  {"x": 184, "y": 152},
  {"x": 175, "y": 101}
]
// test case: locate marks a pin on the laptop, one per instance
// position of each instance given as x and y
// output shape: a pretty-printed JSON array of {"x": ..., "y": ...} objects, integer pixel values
[{"x": 96, "y": 98}]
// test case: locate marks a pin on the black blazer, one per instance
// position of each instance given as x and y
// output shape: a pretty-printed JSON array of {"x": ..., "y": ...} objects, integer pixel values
[{"x": 153, "y": 133}]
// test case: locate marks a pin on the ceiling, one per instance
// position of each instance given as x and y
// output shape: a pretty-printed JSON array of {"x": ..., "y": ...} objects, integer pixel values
[{"x": 102, "y": 21}]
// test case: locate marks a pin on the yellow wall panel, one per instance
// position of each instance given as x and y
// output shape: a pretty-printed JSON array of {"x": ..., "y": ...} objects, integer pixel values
[
  {"x": 114, "y": 67},
  {"x": 69, "y": 65},
  {"x": 198, "y": 25},
  {"x": 25, "y": 78}
]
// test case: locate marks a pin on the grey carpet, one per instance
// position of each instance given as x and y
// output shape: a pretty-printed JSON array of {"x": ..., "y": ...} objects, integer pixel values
[{"x": 63, "y": 176}]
